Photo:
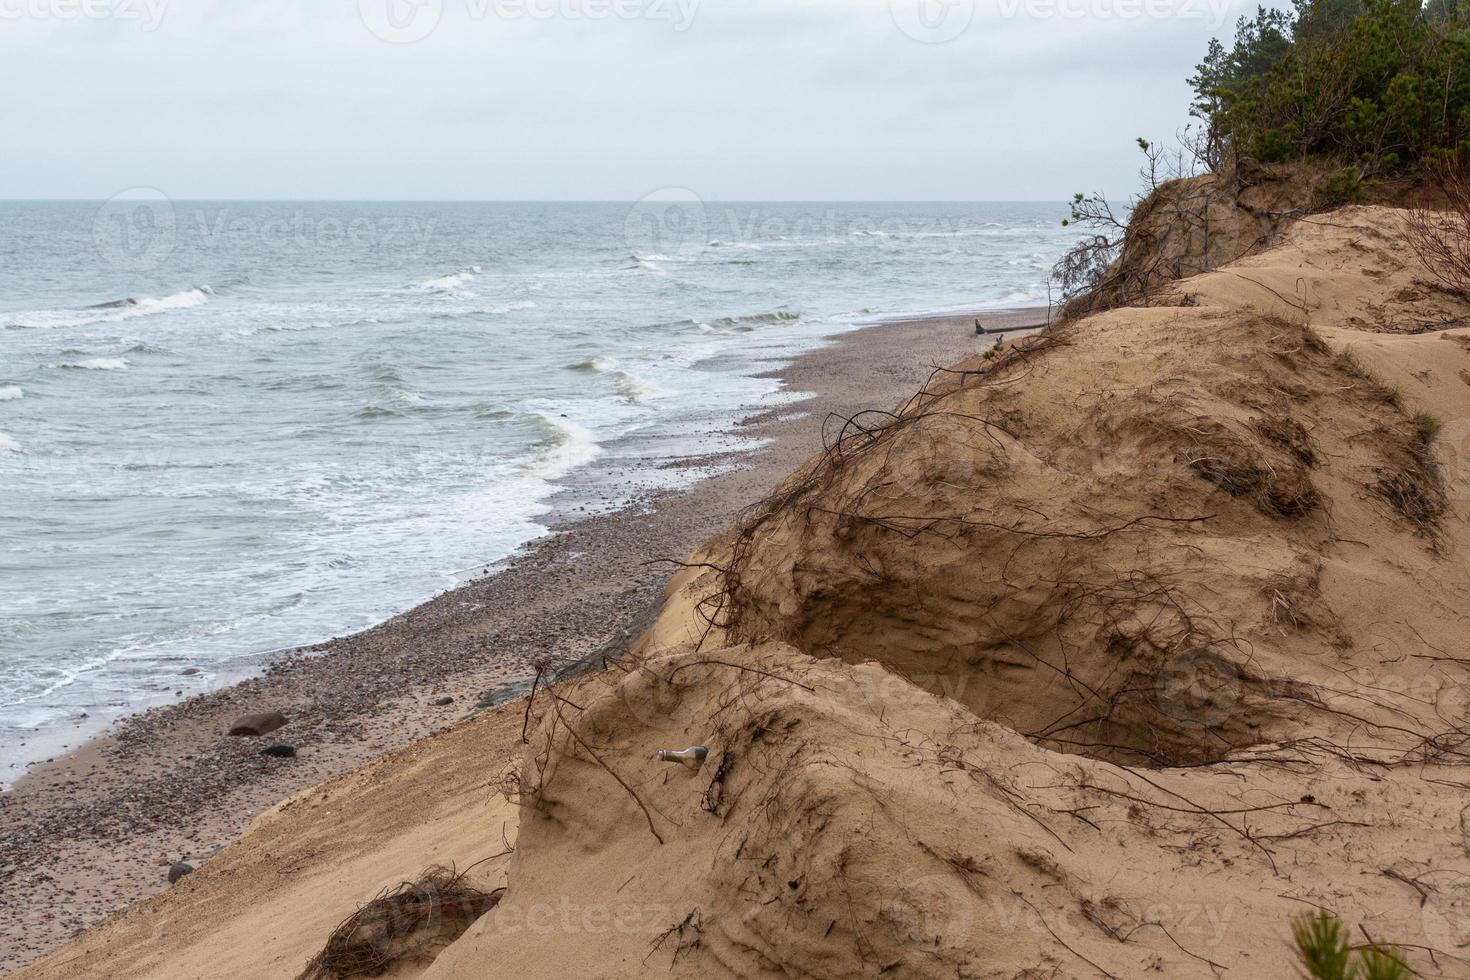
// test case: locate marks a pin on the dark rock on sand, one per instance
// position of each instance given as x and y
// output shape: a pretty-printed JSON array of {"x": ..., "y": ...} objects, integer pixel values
[
  {"x": 280, "y": 751},
  {"x": 443, "y": 702},
  {"x": 179, "y": 870},
  {"x": 258, "y": 724}
]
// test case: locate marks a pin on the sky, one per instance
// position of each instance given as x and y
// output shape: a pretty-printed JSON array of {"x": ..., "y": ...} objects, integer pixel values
[{"x": 592, "y": 99}]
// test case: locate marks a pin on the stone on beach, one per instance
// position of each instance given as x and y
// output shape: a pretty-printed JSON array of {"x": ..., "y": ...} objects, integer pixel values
[
  {"x": 179, "y": 870},
  {"x": 280, "y": 751},
  {"x": 262, "y": 723}
]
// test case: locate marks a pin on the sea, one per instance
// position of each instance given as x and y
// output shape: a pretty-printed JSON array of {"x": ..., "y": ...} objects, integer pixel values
[{"x": 228, "y": 429}]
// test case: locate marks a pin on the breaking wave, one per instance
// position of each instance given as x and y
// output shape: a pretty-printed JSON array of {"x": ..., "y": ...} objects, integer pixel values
[
  {"x": 122, "y": 309},
  {"x": 454, "y": 282},
  {"x": 96, "y": 364}
]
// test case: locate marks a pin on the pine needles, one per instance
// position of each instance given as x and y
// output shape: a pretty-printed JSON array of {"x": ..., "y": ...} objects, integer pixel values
[{"x": 1325, "y": 954}]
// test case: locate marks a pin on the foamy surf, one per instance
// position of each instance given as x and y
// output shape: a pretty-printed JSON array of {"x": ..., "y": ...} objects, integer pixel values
[
  {"x": 505, "y": 308},
  {"x": 638, "y": 391},
  {"x": 632, "y": 389},
  {"x": 775, "y": 316},
  {"x": 404, "y": 396},
  {"x": 301, "y": 326},
  {"x": 8, "y": 445},
  {"x": 649, "y": 265},
  {"x": 597, "y": 365},
  {"x": 96, "y": 364},
  {"x": 122, "y": 309},
  {"x": 288, "y": 406},
  {"x": 450, "y": 283},
  {"x": 568, "y": 446}
]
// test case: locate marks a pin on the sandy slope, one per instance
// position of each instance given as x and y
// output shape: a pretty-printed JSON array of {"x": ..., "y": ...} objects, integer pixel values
[
  {"x": 1099, "y": 658},
  {"x": 263, "y": 906},
  {"x": 93, "y": 832}
]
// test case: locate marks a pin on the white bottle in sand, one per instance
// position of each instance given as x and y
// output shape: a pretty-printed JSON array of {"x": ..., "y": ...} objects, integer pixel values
[{"x": 691, "y": 758}]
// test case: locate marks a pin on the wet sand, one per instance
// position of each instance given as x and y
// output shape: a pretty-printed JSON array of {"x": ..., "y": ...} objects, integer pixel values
[{"x": 88, "y": 833}]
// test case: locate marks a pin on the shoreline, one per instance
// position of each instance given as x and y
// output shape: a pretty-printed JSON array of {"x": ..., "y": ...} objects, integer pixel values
[{"x": 92, "y": 831}]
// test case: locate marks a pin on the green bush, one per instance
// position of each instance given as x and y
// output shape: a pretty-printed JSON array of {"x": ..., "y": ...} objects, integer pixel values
[
  {"x": 1378, "y": 84},
  {"x": 1343, "y": 187}
]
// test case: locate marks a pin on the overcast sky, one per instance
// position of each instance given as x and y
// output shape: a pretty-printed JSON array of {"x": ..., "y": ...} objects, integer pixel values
[{"x": 602, "y": 99}]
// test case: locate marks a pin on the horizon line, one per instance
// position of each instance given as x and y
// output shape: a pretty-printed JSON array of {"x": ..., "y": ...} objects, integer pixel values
[{"x": 1061, "y": 200}]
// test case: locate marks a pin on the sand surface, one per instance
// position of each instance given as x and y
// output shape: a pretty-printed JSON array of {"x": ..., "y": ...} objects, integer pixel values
[
  {"x": 91, "y": 832},
  {"x": 1105, "y": 654}
]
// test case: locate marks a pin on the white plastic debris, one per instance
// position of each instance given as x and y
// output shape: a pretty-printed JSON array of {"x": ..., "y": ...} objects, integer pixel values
[{"x": 691, "y": 758}]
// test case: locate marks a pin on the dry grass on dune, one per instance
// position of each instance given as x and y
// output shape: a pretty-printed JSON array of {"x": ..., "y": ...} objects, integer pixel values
[
  {"x": 402, "y": 923},
  {"x": 1043, "y": 563},
  {"x": 1204, "y": 550},
  {"x": 1103, "y": 657}
]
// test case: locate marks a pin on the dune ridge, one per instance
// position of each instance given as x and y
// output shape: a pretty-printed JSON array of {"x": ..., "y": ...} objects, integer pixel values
[{"x": 1102, "y": 655}]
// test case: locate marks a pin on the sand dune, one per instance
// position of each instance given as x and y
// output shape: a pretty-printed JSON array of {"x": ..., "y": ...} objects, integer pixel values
[{"x": 1099, "y": 657}]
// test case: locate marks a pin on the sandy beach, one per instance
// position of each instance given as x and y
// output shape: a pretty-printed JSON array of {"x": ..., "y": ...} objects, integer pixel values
[{"x": 84, "y": 835}]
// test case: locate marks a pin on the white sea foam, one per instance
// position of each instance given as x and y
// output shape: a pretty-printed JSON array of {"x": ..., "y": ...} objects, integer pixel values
[
  {"x": 125, "y": 309},
  {"x": 8, "y": 445},
  {"x": 524, "y": 304},
  {"x": 450, "y": 283},
  {"x": 9, "y": 393},
  {"x": 775, "y": 316},
  {"x": 636, "y": 390},
  {"x": 300, "y": 326},
  {"x": 405, "y": 396},
  {"x": 97, "y": 364},
  {"x": 569, "y": 447},
  {"x": 601, "y": 364},
  {"x": 633, "y": 389}
]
